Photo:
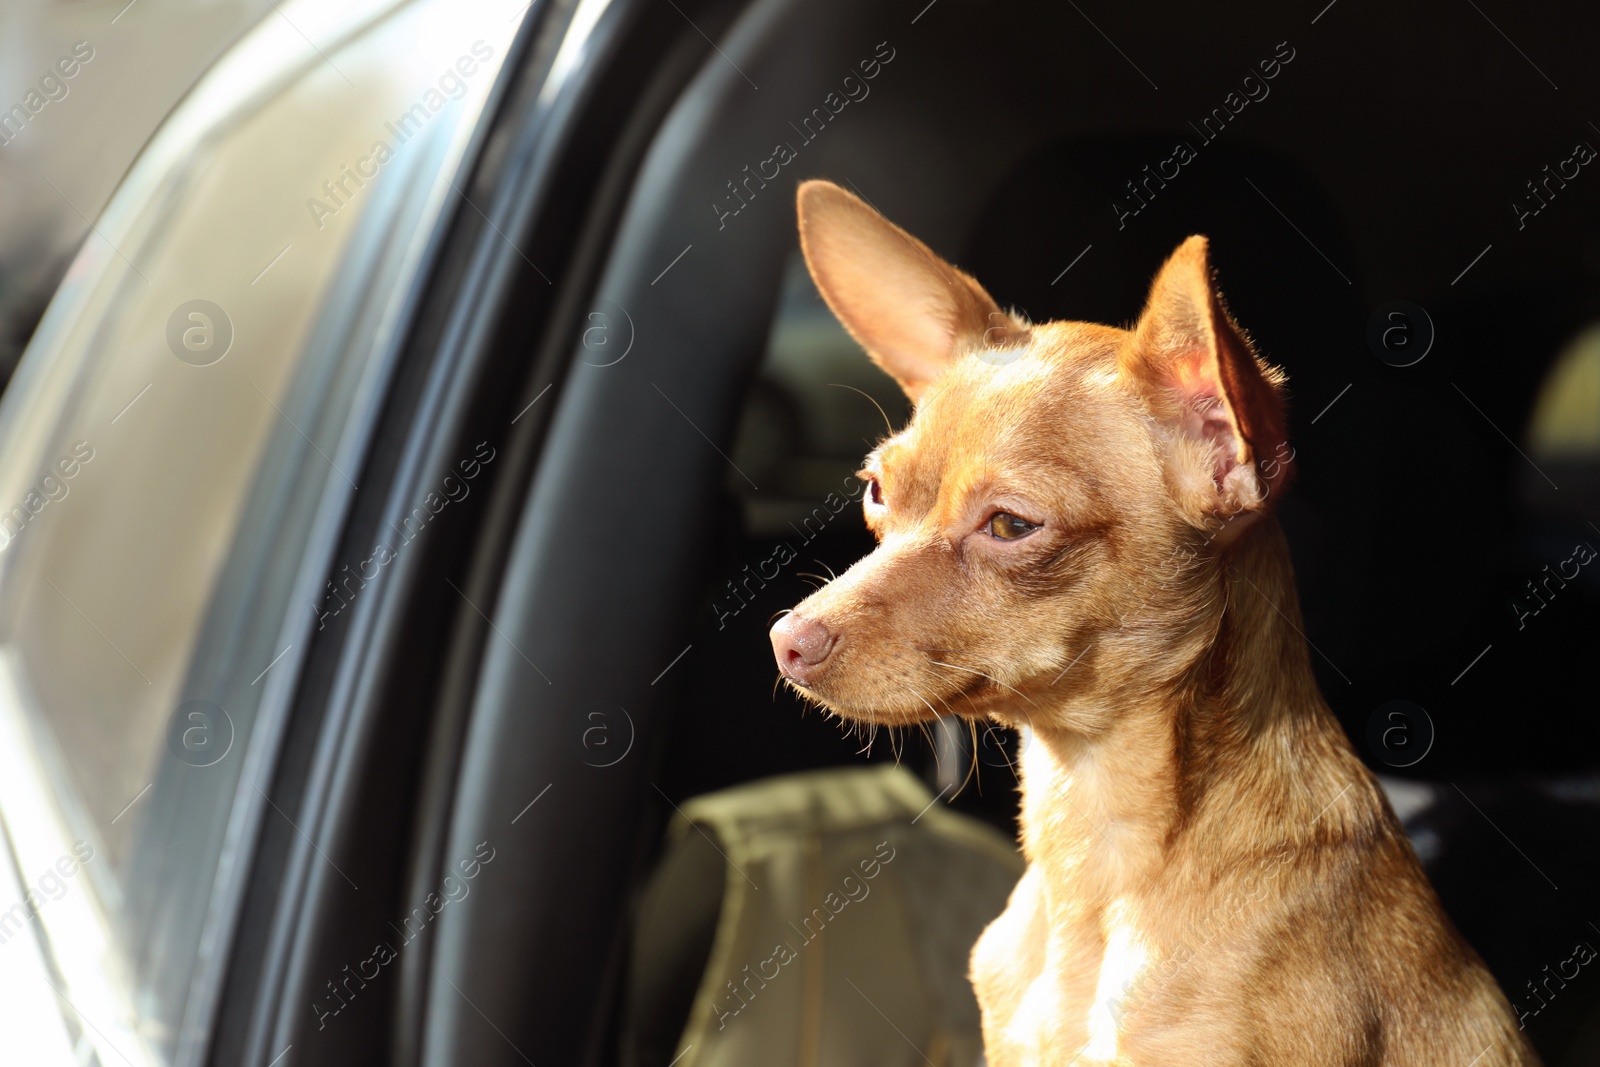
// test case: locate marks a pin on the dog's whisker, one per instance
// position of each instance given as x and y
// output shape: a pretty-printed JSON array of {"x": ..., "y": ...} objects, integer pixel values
[
  {"x": 925, "y": 703},
  {"x": 937, "y": 763},
  {"x": 977, "y": 771},
  {"x": 832, "y": 577},
  {"x": 972, "y": 770},
  {"x": 887, "y": 425},
  {"x": 992, "y": 678}
]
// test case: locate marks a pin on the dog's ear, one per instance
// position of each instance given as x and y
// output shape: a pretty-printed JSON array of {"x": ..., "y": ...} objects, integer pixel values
[
  {"x": 913, "y": 312},
  {"x": 1221, "y": 405}
]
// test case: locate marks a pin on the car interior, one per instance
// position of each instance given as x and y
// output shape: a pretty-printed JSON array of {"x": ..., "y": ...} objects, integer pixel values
[
  {"x": 751, "y": 399},
  {"x": 567, "y": 685}
]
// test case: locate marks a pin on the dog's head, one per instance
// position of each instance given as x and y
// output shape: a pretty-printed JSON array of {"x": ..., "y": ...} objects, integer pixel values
[{"x": 1063, "y": 492}]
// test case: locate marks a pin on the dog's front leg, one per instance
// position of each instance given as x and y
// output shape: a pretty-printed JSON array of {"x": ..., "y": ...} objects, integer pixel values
[
  {"x": 1034, "y": 985},
  {"x": 1006, "y": 960}
]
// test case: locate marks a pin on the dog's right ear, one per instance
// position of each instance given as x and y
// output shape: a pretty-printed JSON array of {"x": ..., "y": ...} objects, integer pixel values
[
  {"x": 913, "y": 312},
  {"x": 1222, "y": 406}
]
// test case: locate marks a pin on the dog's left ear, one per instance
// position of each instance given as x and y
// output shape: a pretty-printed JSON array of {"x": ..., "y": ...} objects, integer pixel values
[
  {"x": 1222, "y": 407},
  {"x": 913, "y": 312}
]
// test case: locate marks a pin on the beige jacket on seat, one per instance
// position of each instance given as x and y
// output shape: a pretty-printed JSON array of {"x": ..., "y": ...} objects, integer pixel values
[{"x": 850, "y": 906}]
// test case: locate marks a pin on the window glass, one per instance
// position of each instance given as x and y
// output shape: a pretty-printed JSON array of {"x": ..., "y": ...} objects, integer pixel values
[{"x": 183, "y": 424}]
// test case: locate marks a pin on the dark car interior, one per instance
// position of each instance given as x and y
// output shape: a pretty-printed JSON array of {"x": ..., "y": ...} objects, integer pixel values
[{"x": 602, "y": 582}]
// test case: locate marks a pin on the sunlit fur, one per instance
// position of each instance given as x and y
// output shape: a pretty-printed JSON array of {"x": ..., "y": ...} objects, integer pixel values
[{"x": 1214, "y": 877}]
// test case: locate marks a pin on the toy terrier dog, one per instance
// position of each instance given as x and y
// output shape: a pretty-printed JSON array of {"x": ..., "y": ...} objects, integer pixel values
[{"x": 1075, "y": 538}]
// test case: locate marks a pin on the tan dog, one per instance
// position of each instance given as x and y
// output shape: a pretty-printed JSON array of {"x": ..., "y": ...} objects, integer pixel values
[{"x": 1075, "y": 537}]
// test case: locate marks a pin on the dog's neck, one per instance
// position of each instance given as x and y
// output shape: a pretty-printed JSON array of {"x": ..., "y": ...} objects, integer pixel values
[{"x": 1235, "y": 728}]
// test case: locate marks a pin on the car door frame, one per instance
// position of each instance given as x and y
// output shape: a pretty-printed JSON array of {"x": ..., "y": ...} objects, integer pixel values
[{"x": 366, "y": 776}]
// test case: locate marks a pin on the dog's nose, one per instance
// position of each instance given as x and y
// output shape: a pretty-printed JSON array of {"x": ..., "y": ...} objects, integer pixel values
[{"x": 800, "y": 645}]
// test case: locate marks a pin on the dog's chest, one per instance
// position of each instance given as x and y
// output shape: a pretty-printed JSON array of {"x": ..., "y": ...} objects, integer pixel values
[
  {"x": 1067, "y": 980},
  {"x": 1075, "y": 969},
  {"x": 1055, "y": 984}
]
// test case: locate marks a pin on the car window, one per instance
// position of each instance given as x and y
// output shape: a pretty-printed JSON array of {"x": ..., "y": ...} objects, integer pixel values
[{"x": 183, "y": 425}]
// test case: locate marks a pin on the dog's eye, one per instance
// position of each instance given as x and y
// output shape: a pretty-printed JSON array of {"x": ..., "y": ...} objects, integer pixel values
[
  {"x": 875, "y": 491},
  {"x": 1007, "y": 527}
]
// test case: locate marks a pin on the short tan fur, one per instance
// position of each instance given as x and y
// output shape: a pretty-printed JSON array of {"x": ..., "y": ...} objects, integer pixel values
[{"x": 1076, "y": 537}]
